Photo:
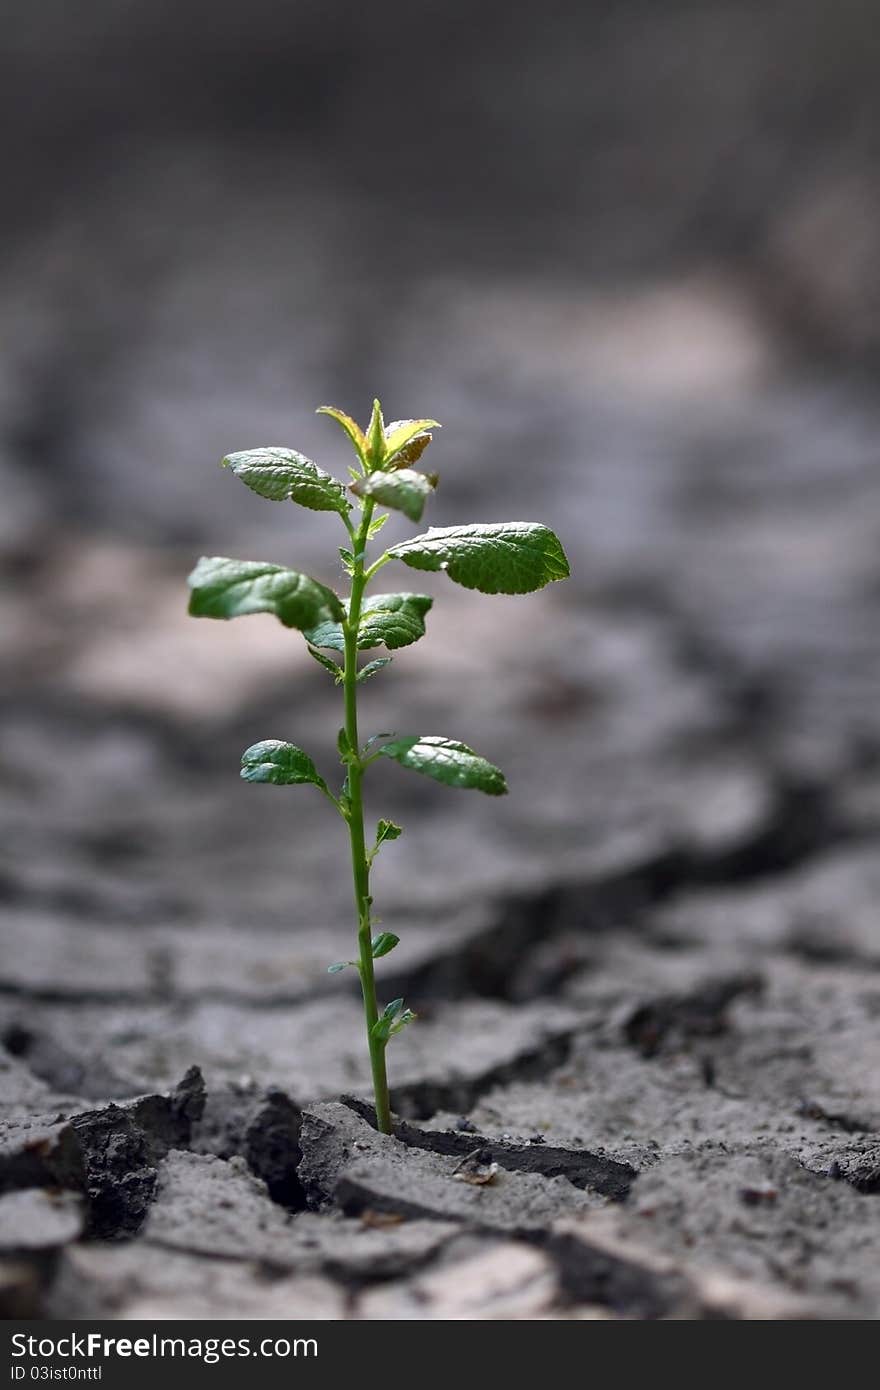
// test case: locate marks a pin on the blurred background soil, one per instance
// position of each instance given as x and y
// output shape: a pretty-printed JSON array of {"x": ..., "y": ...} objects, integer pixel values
[{"x": 628, "y": 255}]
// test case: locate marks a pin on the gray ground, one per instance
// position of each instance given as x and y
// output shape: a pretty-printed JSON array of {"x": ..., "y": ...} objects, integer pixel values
[
  {"x": 633, "y": 272},
  {"x": 644, "y": 1080}
]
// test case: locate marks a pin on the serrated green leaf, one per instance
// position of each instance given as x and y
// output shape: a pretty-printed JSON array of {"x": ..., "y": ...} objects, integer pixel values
[
  {"x": 283, "y": 475},
  {"x": 406, "y": 441},
  {"x": 347, "y": 559},
  {"x": 446, "y": 761},
  {"x": 395, "y": 620},
  {"x": 333, "y": 667},
  {"x": 343, "y": 745},
  {"x": 327, "y": 635},
  {"x": 355, "y": 434},
  {"x": 383, "y": 943},
  {"x": 512, "y": 557},
  {"x": 373, "y": 668},
  {"x": 404, "y": 490},
  {"x": 282, "y": 764},
  {"x": 224, "y": 588},
  {"x": 411, "y": 452}
]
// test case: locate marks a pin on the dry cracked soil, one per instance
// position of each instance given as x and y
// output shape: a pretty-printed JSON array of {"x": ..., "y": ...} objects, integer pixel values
[{"x": 644, "y": 1082}]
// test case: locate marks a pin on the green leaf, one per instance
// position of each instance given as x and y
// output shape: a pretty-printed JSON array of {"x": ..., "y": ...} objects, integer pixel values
[
  {"x": 407, "y": 440},
  {"x": 387, "y": 830},
  {"x": 224, "y": 588},
  {"x": 375, "y": 738},
  {"x": 283, "y": 764},
  {"x": 376, "y": 526},
  {"x": 376, "y": 438},
  {"x": 512, "y": 557},
  {"x": 446, "y": 761},
  {"x": 394, "y": 1018},
  {"x": 395, "y": 620},
  {"x": 400, "y": 1023},
  {"x": 372, "y": 668},
  {"x": 337, "y": 966},
  {"x": 384, "y": 1025},
  {"x": 404, "y": 491},
  {"x": 355, "y": 433},
  {"x": 383, "y": 943},
  {"x": 333, "y": 667},
  {"x": 282, "y": 475},
  {"x": 327, "y": 635},
  {"x": 411, "y": 452}
]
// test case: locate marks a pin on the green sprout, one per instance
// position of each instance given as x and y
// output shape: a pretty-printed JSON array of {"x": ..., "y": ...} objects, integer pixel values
[{"x": 498, "y": 558}]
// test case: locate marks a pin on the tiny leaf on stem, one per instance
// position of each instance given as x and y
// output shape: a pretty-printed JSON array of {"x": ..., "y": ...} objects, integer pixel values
[
  {"x": 376, "y": 738},
  {"x": 322, "y": 660},
  {"x": 446, "y": 761},
  {"x": 404, "y": 490},
  {"x": 224, "y": 588},
  {"x": 376, "y": 526},
  {"x": 513, "y": 557},
  {"x": 283, "y": 475},
  {"x": 387, "y": 830},
  {"x": 400, "y": 1023},
  {"x": 383, "y": 943},
  {"x": 384, "y": 1025},
  {"x": 280, "y": 763},
  {"x": 372, "y": 668}
]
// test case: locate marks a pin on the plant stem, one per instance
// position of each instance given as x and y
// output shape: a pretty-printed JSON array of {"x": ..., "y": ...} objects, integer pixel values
[{"x": 359, "y": 863}]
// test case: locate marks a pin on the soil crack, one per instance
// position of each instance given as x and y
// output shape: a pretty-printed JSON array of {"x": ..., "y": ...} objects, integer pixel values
[{"x": 584, "y": 1169}]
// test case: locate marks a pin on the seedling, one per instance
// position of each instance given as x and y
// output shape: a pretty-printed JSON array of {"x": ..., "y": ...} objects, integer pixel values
[{"x": 513, "y": 557}]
